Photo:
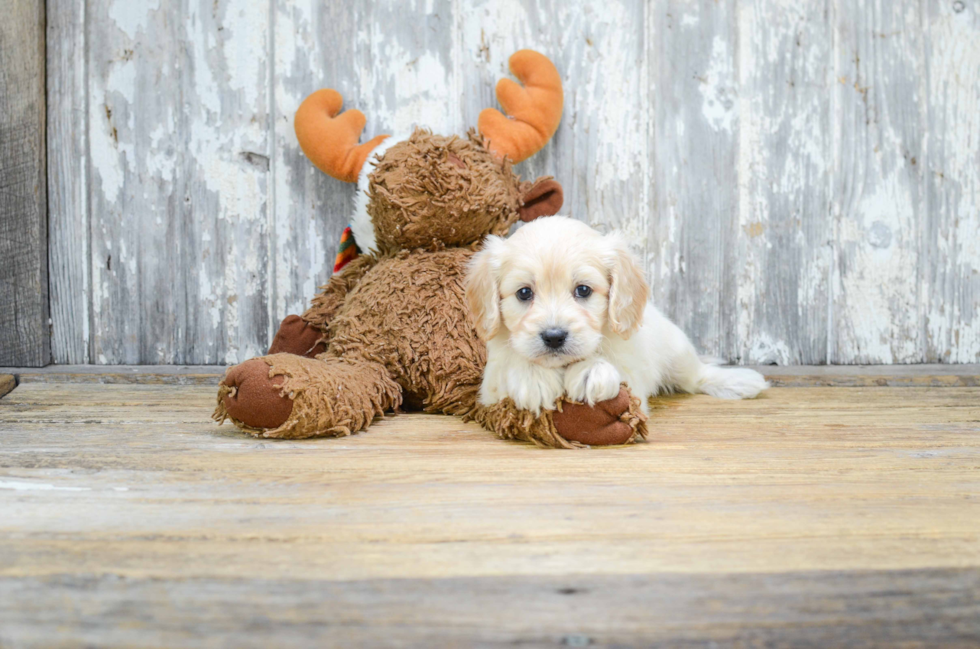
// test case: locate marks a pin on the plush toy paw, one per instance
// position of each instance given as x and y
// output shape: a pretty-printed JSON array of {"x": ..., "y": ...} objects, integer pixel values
[
  {"x": 286, "y": 396},
  {"x": 613, "y": 421},
  {"x": 297, "y": 336},
  {"x": 253, "y": 398}
]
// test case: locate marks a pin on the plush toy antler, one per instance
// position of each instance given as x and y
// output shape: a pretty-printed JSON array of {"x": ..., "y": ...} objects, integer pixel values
[
  {"x": 534, "y": 109},
  {"x": 329, "y": 141}
]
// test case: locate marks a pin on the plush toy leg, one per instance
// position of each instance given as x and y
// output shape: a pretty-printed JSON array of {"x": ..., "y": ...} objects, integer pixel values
[
  {"x": 297, "y": 336},
  {"x": 290, "y": 396},
  {"x": 573, "y": 425}
]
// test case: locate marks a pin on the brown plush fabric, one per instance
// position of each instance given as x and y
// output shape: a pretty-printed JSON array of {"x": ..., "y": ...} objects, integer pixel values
[
  {"x": 297, "y": 336},
  {"x": 616, "y": 421},
  {"x": 331, "y": 296},
  {"x": 573, "y": 425},
  {"x": 251, "y": 394},
  {"x": 409, "y": 314},
  {"x": 507, "y": 421},
  {"x": 545, "y": 198},
  {"x": 331, "y": 397},
  {"x": 421, "y": 196}
]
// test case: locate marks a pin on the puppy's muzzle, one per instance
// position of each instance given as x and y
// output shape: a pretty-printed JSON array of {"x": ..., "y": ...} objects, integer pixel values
[{"x": 554, "y": 338}]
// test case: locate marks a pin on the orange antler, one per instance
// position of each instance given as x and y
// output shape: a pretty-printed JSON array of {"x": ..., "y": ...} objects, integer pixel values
[
  {"x": 535, "y": 108},
  {"x": 329, "y": 141}
]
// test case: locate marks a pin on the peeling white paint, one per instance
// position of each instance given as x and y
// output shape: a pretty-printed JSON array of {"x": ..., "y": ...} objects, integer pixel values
[
  {"x": 953, "y": 318},
  {"x": 183, "y": 110},
  {"x": 719, "y": 96},
  {"x": 106, "y": 162},
  {"x": 131, "y": 16}
]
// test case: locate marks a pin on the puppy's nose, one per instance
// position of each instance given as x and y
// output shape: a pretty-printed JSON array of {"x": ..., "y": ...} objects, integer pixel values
[{"x": 554, "y": 338}]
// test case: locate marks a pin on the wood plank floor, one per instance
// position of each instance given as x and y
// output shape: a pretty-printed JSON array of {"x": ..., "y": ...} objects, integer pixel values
[{"x": 811, "y": 516}]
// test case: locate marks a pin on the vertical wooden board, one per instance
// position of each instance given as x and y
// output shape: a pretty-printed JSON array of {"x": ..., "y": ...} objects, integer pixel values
[
  {"x": 134, "y": 113},
  {"x": 785, "y": 233},
  {"x": 225, "y": 208},
  {"x": 311, "y": 208},
  {"x": 24, "y": 331},
  {"x": 693, "y": 234},
  {"x": 178, "y": 124},
  {"x": 878, "y": 189},
  {"x": 600, "y": 153},
  {"x": 951, "y": 248},
  {"x": 394, "y": 62},
  {"x": 404, "y": 65},
  {"x": 68, "y": 217}
]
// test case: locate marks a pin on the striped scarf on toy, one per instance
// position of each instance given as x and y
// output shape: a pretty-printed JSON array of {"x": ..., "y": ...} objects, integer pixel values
[{"x": 348, "y": 250}]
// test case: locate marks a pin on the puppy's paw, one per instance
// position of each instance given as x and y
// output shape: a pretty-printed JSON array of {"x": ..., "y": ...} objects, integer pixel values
[
  {"x": 534, "y": 388},
  {"x": 591, "y": 381}
]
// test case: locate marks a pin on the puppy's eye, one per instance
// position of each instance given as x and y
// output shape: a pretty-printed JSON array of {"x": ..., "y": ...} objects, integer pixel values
[
  {"x": 583, "y": 291},
  {"x": 525, "y": 294}
]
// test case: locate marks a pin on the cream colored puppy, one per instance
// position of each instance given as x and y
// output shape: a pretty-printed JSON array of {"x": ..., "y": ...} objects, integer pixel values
[{"x": 564, "y": 312}]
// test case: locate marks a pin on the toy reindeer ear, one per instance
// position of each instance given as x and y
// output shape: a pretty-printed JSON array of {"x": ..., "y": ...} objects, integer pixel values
[
  {"x": 329, "y": 140},
  {"x": 545, "y": 198},
  {"x": 534, "y": 109}
]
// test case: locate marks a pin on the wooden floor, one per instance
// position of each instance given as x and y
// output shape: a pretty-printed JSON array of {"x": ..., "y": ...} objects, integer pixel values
[{"x": 813, "y": 516}]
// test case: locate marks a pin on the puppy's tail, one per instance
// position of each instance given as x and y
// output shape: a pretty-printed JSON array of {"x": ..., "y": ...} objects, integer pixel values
[{"x": 730, "y": 382}]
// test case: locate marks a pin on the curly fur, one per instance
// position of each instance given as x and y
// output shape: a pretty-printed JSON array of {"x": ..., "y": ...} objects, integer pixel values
[{"x": 432, "y": 190}]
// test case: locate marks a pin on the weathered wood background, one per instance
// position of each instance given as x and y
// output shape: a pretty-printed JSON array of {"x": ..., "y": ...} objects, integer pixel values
[
  {"x": 24, "y": 338},
  {"x": 802, "y": 177}
]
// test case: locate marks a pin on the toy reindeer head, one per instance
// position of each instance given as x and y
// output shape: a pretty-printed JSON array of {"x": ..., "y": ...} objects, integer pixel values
[{"x": 432, "y": 190}]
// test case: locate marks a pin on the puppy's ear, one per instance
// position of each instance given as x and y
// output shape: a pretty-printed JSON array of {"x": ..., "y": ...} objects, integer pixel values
[
  {"x": 482, "y": 289},
  {"x": 628, "y": 289}
]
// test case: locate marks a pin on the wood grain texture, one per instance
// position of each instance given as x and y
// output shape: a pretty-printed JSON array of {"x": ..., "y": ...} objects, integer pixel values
[
  {"x": 784, "y": 243},
  {"x": 826, "y": 516},
  {"x": 801, "y": 180},
  {"x": 925, "y": 376},
  {"x": 69, "y": 242},
  {"x": 797, "y": 376},
  {"x": 694, "y": 98},
  {"x": 951, "y": 228},
  {"x": 879, "y": 186},
  {"x": 24, "y": 333},
  {"x": 143, "y": 374},
  {"x": 913, "y": 608},
  {"x": 179, "y": 149}
]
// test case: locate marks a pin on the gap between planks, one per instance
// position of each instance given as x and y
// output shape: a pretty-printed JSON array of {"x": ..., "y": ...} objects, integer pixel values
[{"x": 926, "y": 375}]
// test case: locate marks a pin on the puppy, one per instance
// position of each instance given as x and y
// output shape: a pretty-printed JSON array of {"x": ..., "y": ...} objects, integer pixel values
[{"x": 564, "y": 312}]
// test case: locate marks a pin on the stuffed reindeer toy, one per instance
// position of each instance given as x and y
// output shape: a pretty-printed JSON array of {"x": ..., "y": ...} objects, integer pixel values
[{"x": 391, "y": 329}]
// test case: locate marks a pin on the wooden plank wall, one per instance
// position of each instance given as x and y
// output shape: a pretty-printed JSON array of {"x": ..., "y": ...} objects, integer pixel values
[
  {"x": 24, "y": 332},
  {"x": 801, "y": 178}
]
